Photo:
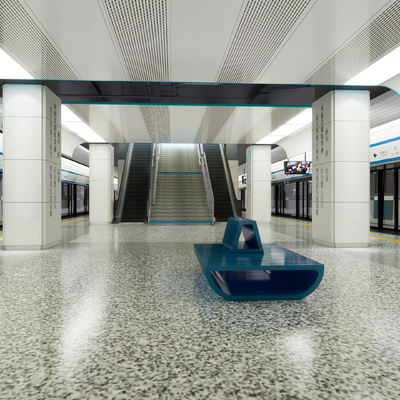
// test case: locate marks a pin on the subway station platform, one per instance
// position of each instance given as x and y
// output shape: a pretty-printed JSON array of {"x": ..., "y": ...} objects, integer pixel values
[{"x": 125, "y": 312}]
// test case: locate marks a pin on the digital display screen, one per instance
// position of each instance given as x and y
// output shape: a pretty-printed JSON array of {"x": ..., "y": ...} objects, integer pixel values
[{"x": 297, "y": 167}]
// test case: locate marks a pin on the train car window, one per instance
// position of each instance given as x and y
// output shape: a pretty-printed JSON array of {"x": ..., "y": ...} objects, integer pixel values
[
  {"x": 1, "y": 184},
  {"x": 389, "y": 182}
]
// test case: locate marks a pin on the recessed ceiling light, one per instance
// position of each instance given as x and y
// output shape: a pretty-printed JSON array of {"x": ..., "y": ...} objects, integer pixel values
[{"x": 385, "y": 68}]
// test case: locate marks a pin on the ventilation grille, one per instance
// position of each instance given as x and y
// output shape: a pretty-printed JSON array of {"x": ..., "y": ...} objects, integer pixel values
[
  {"x": 280, "y": 116},
  {"x": 278, "y": 154},
  {"x": 157, "y": 122},
  {"x": 81, "y": 155},
  {"x": 213, "y": 120},
  {"x": 140, "y": 29},
  {"x": 24, "y": 40},
  {"x": 384, "y": 109},
  {"x": 262, "y": 29},
  {"x": 378, "y": 38}
]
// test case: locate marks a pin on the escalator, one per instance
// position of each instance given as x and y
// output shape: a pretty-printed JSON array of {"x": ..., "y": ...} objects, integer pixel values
[
  {"x": 137, "y": 188},
  {"x": 223, "y": 207}
]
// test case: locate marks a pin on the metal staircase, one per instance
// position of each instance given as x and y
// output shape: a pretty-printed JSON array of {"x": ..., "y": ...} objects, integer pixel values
[{"x": 180, "y": 195}]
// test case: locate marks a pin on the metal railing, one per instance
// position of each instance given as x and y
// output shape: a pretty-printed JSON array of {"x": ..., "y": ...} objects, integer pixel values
[
  {"x": 235, "y": 203},
  {"x": 153, "y": 178},
  {"x": 124, "y": 181},
  {"x": 207, "y": 181}
]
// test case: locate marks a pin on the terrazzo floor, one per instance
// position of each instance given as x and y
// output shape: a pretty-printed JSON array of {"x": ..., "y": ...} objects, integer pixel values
[{"x": 124, "y": 312}]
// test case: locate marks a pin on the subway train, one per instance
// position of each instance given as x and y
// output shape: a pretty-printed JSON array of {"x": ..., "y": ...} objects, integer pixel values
[{"x": 74, "y": 188}]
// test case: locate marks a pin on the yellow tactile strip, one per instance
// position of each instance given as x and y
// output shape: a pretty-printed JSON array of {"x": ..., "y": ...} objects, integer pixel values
[{"x": 302, "y": 223}]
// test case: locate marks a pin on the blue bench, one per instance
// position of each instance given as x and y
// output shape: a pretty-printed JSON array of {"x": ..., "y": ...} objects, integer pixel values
[{"x": 250, "y": 270}]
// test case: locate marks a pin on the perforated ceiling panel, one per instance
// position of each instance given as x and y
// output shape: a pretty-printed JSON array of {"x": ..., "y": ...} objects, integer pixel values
[
  {"x": 140, "y": 29},
  {"x": 157, "y": 120},
  {"x": 262, "y": 29},
  {"x": 213, "y": 120},
  {"x": 141, "y": 32},
  {"x": 375, "y": 40},
  {"x": 24, "y": 40}
]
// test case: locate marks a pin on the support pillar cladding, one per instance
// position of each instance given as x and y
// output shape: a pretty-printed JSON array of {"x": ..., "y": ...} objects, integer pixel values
[
  {"x": 32, "y": 167},
  {"x": 101, "y": 184},
  {"x": 340, "y": 178},
  {"x": 258, "y": 184}
]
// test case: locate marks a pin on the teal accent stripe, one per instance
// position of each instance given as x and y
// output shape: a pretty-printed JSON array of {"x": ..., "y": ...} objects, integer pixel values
[
  {"x": 70, "y": 172},
  {"x": 281, "y": 170},
  {"x": 191, "y": 173},
  {"x": 180, "y": 222},
  {"x": 385, "y": 161},
  {"x": 294, "y": 177},
  {"x": 76, "y": 183},
  {"x": 385, "y": 141},
  {"x": 192, "y": 105},
  {"x": 1, "y": 153}
]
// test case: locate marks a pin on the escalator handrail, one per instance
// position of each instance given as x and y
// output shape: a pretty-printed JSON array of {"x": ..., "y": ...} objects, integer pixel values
[
  {"x": 207, "y": 181},
  {"x": 124, "y": 182},
  {"x": 153, "y": 178},
  {"x": 228, "y": 176}
]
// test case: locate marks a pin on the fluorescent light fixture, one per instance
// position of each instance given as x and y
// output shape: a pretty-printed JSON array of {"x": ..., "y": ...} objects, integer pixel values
[
  {"x": 68, "y": 116},
  {"x": 380, "y": 71},
  {"x": 71, "y": 121},
  {"x": 293, "y": 125},
  {"x": 385, "y": 126},
  {"x": 10, "y": 69}
]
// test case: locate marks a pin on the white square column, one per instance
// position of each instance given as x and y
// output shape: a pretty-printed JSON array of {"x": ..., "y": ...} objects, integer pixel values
[
  {"x": 32, "y": 167},
  {"x": 101, "y": 184},
  {"x": 258, "y": 183},
  {"x": 341, "y": 168}
]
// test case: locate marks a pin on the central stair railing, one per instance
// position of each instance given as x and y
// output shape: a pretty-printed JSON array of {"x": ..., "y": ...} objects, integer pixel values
[
  {"x": 207, "y": 181},
  {"x": 124, "y": 181},
  {"x": 153, "y": 178},
  {"x": 234, "y": 201}
]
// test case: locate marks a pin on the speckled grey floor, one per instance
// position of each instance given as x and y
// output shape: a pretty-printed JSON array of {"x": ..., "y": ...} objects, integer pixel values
[{"x": 124, "y": 312}]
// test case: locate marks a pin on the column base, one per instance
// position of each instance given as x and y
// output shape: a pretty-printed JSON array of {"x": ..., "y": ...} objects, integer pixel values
[
  {"x": 31, "y": 247},
  {"x": 341, "y": 245},
  {"x": 100, "y": 223}
]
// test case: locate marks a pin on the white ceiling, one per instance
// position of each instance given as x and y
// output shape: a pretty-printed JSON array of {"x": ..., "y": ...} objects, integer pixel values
[{"x": 200, "y": 36}]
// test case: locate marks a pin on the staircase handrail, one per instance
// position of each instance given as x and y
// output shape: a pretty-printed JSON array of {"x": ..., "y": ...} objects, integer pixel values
[
  {"x": 124, "y": 182},
  {"x": 232, "y": 195},
  {"x": 207, "y": 181},
  {"x": 153, "y": 178}
]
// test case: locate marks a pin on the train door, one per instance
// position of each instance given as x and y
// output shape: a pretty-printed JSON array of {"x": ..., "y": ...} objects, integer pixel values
[{"x": 384, "y": 193}]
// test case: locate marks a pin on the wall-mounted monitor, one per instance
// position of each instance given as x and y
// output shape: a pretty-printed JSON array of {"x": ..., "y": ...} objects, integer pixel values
[{"x": 297, "y": 167}]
